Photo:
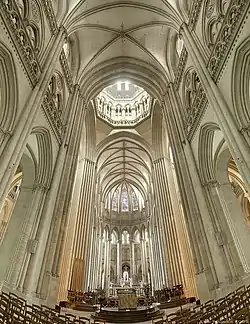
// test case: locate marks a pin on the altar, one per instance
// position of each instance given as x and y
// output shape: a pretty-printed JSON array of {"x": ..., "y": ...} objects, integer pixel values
[{"x": 127, "y": 298}]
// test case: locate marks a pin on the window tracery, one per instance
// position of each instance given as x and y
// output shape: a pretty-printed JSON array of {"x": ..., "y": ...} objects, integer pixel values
[
  {"x": 134, "y": 201},
  {"x": 193, "y": 97},
  {"x": 137, "y": 237},
  {"x": 32, "y": 36},
  {"x": 115, "y": 201},
  {"x": 31, "y": 13},
  {"x": 124, "y": 199},
  {"x": 53, "y": 103},
  {"x": 21, "y": 7},
  {"x": 55, "y": 89},
  {"x": 125, "y": 237},
  {"x": 214, "y": 13}
]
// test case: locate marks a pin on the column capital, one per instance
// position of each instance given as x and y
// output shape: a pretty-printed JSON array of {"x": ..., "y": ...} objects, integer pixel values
[
  {"x": 211, "y": 184},
  {"x": 41, "y": 186}
]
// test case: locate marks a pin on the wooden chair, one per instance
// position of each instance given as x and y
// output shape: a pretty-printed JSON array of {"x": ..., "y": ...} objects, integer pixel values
[
  {"x": 84, "y": 319},
  {"x": 78, "y": 321},
  {"x": 71, "y": 296},
  {"x": 157, "y": 318},
  {"x": 4, "y": 316},
  {"x": 71, "y": 317}
]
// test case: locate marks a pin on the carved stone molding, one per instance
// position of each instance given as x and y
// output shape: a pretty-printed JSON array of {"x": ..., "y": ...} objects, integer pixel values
[
  {"x": 53, "y": 116},
  {"x": 49, "y": 11},
  {"x": 229, "y": 29},
  {"x": 17, "y": 31},
  {"x": 226, "y": 37},
  {"x": 198, "y": 108},
  {"x": 180, "y": 68},
  {"x": 193, "y": 18},
  {"x": 194, "y": 13},
  {"x": 66, "y": 71}
]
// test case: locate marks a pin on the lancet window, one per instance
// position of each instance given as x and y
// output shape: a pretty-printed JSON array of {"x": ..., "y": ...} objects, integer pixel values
[
  {"x": 134, "y": 201},
  {"x": 115, "y": 201},
  {"x": 124, "y": 199},
  {"x": 125, "y": 237}
]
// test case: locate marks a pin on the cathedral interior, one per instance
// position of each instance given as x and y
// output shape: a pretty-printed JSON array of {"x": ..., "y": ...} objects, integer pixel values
[{"x": 124, "y": 156}]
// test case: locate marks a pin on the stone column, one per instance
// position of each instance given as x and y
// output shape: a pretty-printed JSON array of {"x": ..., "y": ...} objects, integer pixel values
[
  {"x": 186, "y": 253},
  {"x": 132, "y": 258},
  {"x": 66, "y": 174},
  {"x": 235, "y": 141},
  {"x": 198, "y": 225},
  {"x": 235, "y": 220},
  {"x": 15, "y": 147},
  {"x": 108, "y": 262},
  {"x": 99, "y": 261},
  {"x": 159, "y": 249},
  {"x": 27, "y": 242},
  {"x": 102, "y": 260},
  {"x": 178, "y": 141},
  {"x": 165, "y": 257},
  {"x": 105, "y": 271},
  {"x": 152, "y": 263},
  {"x": 82, "y": 231},
  {"x": 20, "y": 225},
  {"x": 143, "y": 261},
  {"x": 90, "y": 247},
  {"x": 92, "y": 266},
  {"x": 231, "y": 232},
  {"x": 118, "y": 262},
  {"x": 120, "y": 259},
  {"x": 155, "y": 262}
]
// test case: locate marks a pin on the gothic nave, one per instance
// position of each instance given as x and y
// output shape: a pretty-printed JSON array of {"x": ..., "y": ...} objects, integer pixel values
[{"x": 124, "y": 148}]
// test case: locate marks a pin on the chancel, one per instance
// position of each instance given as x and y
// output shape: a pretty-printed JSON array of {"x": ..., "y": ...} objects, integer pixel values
[{"x": 124, "y": 161}]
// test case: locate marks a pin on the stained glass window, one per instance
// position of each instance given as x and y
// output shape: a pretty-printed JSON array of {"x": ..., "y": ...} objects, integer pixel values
[
  {"x": 134, "y": 201},
  {"x": 115, "y": 201},
  {"x": 125, "y": 237},
  {"x": 124, "y": 199}
]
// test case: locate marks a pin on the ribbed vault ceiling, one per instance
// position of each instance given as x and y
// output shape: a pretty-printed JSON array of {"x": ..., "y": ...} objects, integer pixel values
[
  {"x": 108, "y": 29},
  {"x": 124, "y": 161}
]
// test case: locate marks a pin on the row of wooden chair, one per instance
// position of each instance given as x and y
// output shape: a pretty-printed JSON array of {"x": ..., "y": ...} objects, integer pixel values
[
  {"x": 233, "y": 308},
  {"x": 16, "y": 310}
]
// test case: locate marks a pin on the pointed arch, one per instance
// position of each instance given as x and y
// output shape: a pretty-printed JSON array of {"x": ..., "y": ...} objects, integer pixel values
[
  {"x": 205, "y": 152},
  {"x": 45, "y": 156},
  {"x": 240, "y": 84},
  {"x": 8, "y": 90}
]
